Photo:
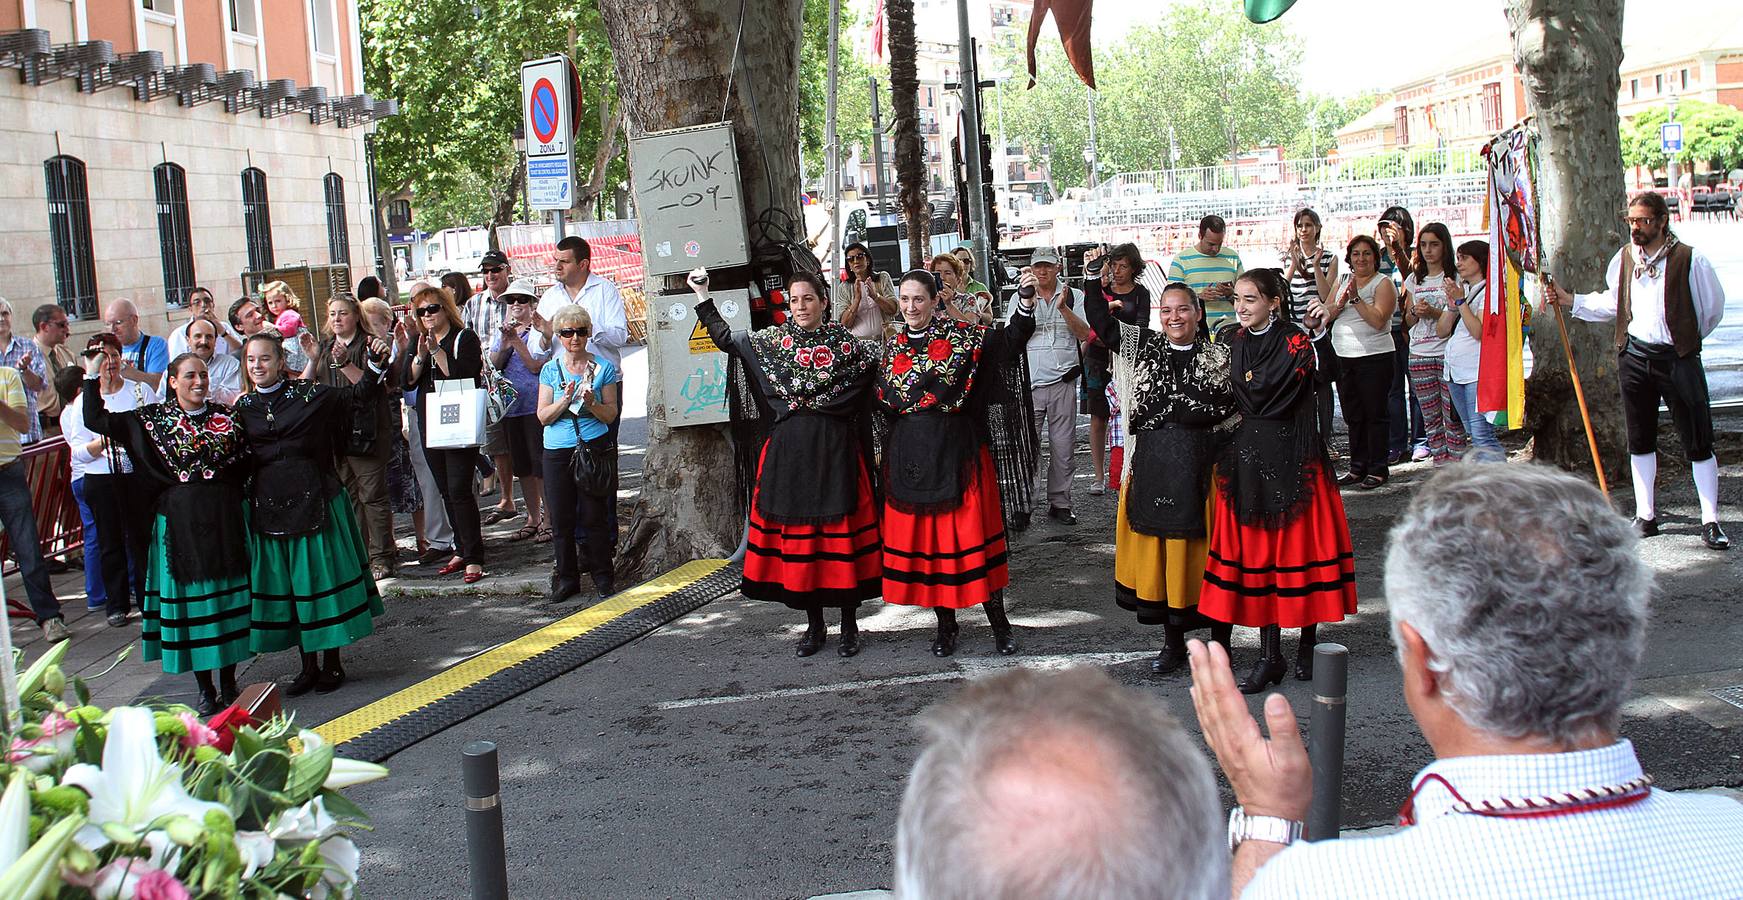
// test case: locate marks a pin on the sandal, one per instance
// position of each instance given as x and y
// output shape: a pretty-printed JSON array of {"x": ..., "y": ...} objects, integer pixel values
[
  {"x": 1372, "y": 481},
  {"x": 544, "y": 535},
  {"x": 525, "y": 531},
  {"x": 500, "y": 515}
]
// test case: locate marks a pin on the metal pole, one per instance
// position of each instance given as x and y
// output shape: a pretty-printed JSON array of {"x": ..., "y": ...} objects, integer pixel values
[
  {"x": 558, "y": 226},
  {"x": 832, "y": 150},
  {"x": 1325, "y": 747},
  {"x": 1675, "y": 171},
  {"x": 486, "y": 859},
  {"x": 878, "y": 144},
  {"x": 1089, "y": 152},
  {"x": 970, "y": 80}
]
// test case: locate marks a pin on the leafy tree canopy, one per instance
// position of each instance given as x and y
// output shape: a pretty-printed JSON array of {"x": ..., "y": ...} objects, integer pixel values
[{"x": 1711, "y": 133}]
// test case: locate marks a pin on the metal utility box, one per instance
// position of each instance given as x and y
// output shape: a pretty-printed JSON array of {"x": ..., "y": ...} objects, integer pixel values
[
  {"x": 691, "y": 373},
  {"x": 312, "y": 285},
  {"x": 688, "y": 198}
]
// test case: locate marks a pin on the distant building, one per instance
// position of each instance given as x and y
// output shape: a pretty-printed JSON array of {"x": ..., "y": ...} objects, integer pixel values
[
  {"x": 1461, "y": 108},
  {"x": 156, "y": 145}
]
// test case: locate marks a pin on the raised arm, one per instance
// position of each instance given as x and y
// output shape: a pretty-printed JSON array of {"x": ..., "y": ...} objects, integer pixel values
[{"x": 1100, "y": 320}]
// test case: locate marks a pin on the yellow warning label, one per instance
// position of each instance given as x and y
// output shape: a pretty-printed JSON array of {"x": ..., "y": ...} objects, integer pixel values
[{"x": 700, "y": 342}]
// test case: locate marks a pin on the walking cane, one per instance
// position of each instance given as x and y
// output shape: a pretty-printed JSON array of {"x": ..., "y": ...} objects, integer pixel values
[{"x": 1579, "y": 391}]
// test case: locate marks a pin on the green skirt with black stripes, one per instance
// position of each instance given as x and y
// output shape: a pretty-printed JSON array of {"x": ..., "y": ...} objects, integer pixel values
[
  {"x": 314, "y": 591},
  {"x": 193, "y": 626}
]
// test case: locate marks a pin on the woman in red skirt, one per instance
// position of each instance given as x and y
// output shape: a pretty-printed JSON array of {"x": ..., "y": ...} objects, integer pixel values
[
  {"x": 1280, "y": 551},
  {"x": 944, "y": 521},
  {"x": 813, "y": 534}
]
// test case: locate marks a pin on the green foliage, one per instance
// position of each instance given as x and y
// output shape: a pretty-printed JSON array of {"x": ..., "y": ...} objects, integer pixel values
[
  {"x": 455, "y": 69},
  {"x": 853, "y": 94},
  {"x": 1322, "y": 116},
  {"x": 1711, "y": 133},
  {"x": 1221, "y": 84}
]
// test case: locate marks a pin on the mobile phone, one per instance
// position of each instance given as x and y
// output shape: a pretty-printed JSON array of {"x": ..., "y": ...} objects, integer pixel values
[{"x": 937, "y": 282}]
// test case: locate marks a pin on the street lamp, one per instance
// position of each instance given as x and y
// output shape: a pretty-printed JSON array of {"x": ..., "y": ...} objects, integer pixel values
[{"x": 1674, "y": 171}]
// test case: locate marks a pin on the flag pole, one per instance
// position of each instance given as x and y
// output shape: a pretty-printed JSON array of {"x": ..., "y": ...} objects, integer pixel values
[{"x": 1579, "y": 392}]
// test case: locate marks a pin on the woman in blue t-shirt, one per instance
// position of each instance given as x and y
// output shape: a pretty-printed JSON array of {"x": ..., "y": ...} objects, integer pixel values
[{"x": 578, "y": 400}]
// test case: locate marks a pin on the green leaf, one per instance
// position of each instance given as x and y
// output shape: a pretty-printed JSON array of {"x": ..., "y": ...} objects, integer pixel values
[
  {"x": 308, "y": 772},
  {"x": 342, "y": 809}
]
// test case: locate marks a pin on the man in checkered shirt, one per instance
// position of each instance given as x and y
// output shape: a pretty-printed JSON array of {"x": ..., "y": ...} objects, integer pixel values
[{"x": 1518, "y": 606}]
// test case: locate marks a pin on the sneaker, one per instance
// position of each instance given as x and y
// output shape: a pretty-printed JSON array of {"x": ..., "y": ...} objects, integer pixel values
[
  {"x": 1097, "y": 489},
  {"x": 55, "y": 630},
  {"x": 117, "y": 620},
  {"x": 1420, "y": 454}
]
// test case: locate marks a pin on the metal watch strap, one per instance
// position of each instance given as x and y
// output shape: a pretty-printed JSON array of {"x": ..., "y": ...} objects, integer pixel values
[{"x": 1243, "y": 828}]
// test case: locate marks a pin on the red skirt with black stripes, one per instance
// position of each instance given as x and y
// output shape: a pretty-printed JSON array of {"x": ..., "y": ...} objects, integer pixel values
[
  {"x": 834, "y": 564},
  {"x": 1301, "y": 574},
  {"x": 952, "y": 559}
]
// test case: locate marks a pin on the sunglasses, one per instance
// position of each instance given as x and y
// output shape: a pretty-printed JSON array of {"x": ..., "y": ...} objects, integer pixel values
[
  {"x": 572, "y": 332},
  {"x": 518, "y": 300},
  {"x": 430, "y": 310},
  {"x": 492, "y": 270},
  {"x": 857, "y": 257}
]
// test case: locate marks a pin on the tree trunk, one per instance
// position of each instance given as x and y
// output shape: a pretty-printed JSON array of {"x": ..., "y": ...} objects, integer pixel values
[
  {"x": 1568, "y": 52},
  {"x": 673, "y": 59},
  {"x": 910, "y": 150}
]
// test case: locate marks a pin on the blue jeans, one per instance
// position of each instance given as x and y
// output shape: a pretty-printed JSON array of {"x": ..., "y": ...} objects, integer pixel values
[
  {"x": 95, "y": 593},
  {"x": 1484, "y": 446},
  {"x": 20, "y": 523}
]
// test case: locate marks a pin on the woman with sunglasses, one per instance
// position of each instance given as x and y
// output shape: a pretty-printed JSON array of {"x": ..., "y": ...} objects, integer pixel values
[
  {"x": 949, "y": 463},
  {"x": 519, "y": 351},
  {"x": 579, "y": 398},
  {"x": 309, "y": 566},
  {"x": 865, "y": 300},
  {"x": 812, "y": 540},
  {"x": 192, "y": 457},
  {"x": 448, "y": 350}
]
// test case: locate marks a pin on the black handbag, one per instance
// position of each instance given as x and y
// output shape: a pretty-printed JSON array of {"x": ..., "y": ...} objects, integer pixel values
[{"x": 594, "y": 465}]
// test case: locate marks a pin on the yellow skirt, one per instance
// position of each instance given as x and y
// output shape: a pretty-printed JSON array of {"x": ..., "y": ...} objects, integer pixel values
[{"x": 1154, "y": 575}]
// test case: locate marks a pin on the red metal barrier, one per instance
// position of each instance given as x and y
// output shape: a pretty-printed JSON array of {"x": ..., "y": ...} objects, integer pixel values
[{"x": 59, "y": 531}]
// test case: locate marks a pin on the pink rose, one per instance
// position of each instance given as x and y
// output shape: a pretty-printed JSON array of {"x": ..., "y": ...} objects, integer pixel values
[
  {"x": 787, "y": 342},
  {"x": 822, "y": 358},
  {"x": 803, "y": 357},
  {"x": 199, "y": 733},
  {"x": 159, "y": 885}
]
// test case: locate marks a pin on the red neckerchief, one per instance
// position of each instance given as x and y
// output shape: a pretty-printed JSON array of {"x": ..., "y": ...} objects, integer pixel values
[{"x": 1544, "y": 807}]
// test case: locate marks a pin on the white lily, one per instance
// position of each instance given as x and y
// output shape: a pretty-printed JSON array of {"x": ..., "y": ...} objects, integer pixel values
[
  {"x": 257, "y": 849},
  {"x": 345, "y": 772},
  {"x": 340, "y": 877},
  {"x": 135, "y": 786},
  {"x": 31, "y": 875},
  {"x": 309, "y": 822},
  {"x": 14, "y": 819}
]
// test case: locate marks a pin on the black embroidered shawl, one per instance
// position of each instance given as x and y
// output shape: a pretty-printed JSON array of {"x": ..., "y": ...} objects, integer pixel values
[
  {"x": 297, "y": 434},
  {"x": 1178, "y": 405},
  {"x": 810, "y": 369},
  {"x": 1276, "y": 451}
]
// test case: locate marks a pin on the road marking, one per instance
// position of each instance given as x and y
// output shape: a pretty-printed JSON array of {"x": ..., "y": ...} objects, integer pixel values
[
  {"x": 966, "y": 668},
  {"x": 483, "y": 665}
]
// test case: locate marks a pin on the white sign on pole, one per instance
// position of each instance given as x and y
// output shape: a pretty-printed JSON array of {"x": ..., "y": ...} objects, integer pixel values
[
  {"x": 549, "y": 122},
  {"x": 1670, "y": 137}
]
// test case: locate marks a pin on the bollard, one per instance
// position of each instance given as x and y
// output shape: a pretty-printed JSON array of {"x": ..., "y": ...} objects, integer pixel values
[
  {"x": 1325, "y": 747},
  {"x": 485, "y": 856}
]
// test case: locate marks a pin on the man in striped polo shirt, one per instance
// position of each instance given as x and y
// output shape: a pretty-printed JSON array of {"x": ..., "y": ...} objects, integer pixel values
[{"x": 1210, "y": 271}]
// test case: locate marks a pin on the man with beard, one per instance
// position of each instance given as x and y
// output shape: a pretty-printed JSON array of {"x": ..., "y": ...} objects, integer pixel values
[{"x": 1664, "y": 297}]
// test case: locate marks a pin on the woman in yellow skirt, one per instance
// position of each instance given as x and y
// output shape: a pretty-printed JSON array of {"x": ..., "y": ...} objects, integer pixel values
[{"x": 1176, "y": 402}]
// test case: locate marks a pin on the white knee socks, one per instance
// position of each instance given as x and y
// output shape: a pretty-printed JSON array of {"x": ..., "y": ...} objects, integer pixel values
[
  {"x": 1707, "y": 486},
  {"x": 1645, "y": 469}
]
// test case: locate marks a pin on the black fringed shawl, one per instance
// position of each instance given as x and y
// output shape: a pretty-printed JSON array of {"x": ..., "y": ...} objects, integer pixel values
[
  {"x": 945, "y": 392},
  {"x": 800, "y": 417},
  {"x": 1276, "y": 450}
]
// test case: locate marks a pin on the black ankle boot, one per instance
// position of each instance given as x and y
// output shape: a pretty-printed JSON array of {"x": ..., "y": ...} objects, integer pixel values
[
  {"x": 1304, "y": 653},
  {"x": 1002, "y": 637},
  {"x": 945, "y": 643},
  {"x": 1173, "y": 654},
  {"x": 207, "y": 706},
  {"x": 849, "y": 645},
  {"x": 1269, "y": 668},
  {"x": 305, "y": 682},
  {"x": 332, "y": 674},
  {"x": 815, "y": 632}
]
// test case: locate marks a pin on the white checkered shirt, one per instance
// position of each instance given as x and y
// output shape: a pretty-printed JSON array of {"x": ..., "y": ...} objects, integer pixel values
[{"x": 1666, "y": 846}]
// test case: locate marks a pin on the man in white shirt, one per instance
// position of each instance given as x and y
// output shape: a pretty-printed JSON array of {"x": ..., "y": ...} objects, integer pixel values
[
  {"x": 1054, "y": 368},
  {"x": 201, "y": 306},
  {"x": 577, "y": 284},
  {"x": 1518, "y": 645},
  {"x": 1664, "y": 298},
  {"x": 222, "y": 368}
]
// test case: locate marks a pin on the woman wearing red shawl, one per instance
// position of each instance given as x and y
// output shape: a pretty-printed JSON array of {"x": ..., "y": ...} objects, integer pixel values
[
  {"x": 944, "y": 528},
  {"x": 813, "y": 535},
  {"x": 1280, "y": 554}
]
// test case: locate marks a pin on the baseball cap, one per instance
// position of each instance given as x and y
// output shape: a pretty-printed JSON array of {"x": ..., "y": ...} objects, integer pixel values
[
  {"x": 520, "y": 287},
  {"x": 493, "y": 258},
  {"x": 1044, "y": 255}
]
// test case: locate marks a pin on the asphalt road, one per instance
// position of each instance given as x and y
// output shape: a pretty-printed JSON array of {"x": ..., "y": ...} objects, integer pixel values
[{"x": 704, "y": 760}]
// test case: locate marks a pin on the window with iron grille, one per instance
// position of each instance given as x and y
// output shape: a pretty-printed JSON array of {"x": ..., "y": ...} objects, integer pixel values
[
  {"x": 175, "y": 242},
  {"x": 69, "y": 230},
  {"x": 256, "y": 219},
  {"x": 1492, "y": 106},
  {"x": 338, "y": 235}
]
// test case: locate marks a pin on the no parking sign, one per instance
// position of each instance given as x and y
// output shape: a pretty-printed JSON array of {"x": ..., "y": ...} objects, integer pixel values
[{"x": 548, "y": 100}]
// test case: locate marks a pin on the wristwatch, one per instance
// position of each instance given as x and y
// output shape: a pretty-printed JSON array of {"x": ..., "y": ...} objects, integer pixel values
[{"x": 1243, "y": 827}]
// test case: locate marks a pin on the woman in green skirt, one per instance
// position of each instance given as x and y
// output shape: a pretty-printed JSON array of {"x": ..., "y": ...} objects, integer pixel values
[
  {"x": 190, "y": 460},
  {"x": 311, "y": 582}
]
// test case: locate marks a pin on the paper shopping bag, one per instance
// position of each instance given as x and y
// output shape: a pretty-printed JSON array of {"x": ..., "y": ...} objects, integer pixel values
[{"x": 454, "y": 415}]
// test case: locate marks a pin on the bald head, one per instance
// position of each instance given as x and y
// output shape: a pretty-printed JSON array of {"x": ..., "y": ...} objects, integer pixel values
[
  {"x": 122, "y": 318},
  {"x": 1058, "y": 785}
]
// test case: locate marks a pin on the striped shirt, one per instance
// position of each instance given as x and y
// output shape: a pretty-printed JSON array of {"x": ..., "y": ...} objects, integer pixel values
[
  {"x": 1303, "y": 288},
  {"x": 1201, "y": 271},
  {"x": 13, "y": 395},
  {"x": 1665, "y": 846}
]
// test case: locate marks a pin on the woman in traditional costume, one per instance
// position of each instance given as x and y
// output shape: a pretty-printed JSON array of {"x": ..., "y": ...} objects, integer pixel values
[
  {"x": 813, "y": 536},
  {"x": 310, "y": 577},
  {"x": 189, "y": 462},
  {"x": 955, "y": 394},
  {"x": 1177, "y": 404},
  {"x": 1280, "y": 554}
]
